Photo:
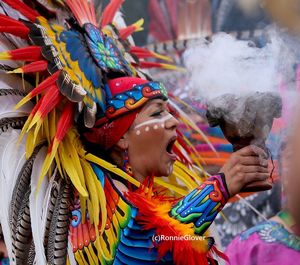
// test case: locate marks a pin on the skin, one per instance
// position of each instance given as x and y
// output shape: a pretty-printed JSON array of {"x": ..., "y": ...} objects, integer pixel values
[
  {"x": 3, "y": 251},
  {"x": 147, "y": 139}
]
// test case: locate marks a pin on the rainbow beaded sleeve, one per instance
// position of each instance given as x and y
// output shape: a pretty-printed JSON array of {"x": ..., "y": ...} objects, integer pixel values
[{"x": 203, "y": 204}]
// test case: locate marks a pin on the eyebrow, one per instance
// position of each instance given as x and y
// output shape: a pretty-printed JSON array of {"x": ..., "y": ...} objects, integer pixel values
[{"x": 156, "y": 104}]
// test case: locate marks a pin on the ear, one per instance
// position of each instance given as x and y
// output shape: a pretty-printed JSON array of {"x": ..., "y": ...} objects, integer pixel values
[{"x": 123, "y": 143}]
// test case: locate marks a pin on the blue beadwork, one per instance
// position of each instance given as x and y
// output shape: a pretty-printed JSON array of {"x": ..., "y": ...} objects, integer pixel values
[{"x": 273, "y": 232}]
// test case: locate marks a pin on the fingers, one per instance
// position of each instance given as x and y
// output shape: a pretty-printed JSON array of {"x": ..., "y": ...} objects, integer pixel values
[
  {"x": 252, "y": 150},
  {"x": 255, "y": 169},
  {"x": 250, "y": 177},
  {"x": 253, "y": 160}
]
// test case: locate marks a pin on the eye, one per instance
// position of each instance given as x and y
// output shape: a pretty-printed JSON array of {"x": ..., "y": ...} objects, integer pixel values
[{"x": 157, "y": 113}]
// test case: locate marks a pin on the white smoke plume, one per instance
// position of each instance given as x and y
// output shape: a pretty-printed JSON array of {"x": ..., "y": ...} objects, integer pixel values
[{"x": 227, "y": 65}]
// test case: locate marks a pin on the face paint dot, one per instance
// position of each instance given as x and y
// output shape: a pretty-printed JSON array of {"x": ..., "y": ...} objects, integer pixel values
[
  {"x": 155, "y": 127},
  {"x": 147, "y": 129},
  {"x": 138, "y": 132}
]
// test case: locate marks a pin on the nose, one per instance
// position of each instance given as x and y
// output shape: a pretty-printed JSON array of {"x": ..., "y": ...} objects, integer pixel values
[{"x": 172, "y": 123}]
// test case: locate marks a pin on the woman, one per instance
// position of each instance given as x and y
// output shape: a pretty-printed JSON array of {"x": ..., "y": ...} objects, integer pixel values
[{"x": 117, "y": 212}]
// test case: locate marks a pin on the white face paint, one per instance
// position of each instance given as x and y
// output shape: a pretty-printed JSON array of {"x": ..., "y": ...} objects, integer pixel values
[{"x": 156, "y": 121}]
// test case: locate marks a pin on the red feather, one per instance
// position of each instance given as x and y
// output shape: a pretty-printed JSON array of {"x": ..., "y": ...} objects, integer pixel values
[
  {"x": 35, "y": 108},
  {"x": 29, "y": 54},
  {"x": 21, "y": 32},
  {"x": 45, "y": 84},
  {"x": 126, "y": 32},
  {"x": 65, "y": 121},
  {"x": 12, "y": 26},
  {"x": 110, "y": 11},
  {"x": 83, "y": 10},
  {"x": 25, "y": 10},
  {"x": 50, "y": 100},
  {"x": 34, "y": 67}
]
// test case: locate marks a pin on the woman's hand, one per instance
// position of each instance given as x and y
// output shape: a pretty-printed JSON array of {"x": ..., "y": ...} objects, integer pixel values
[{"x": 245, "y": 166}]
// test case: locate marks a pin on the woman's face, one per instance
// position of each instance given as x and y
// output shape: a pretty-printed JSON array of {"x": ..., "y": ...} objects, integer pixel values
[{"x": 150, "y": 140}]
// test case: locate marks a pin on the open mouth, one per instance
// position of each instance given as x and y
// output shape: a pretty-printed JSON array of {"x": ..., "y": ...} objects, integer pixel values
[{"x": 170, "y": 146}]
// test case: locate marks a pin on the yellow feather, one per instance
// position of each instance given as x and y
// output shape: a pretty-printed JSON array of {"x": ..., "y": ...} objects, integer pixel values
[
  {"x": 102, "y": 200},
  {"x": 68, "y": 165},
  {"x": 95, "y": 258},
  {"x": 188, "y": 171},
  {"x": 47, "y": 163},
  {"x": 184, "y": 177},
  {"x": 29, "y": 144},
  {"x": 4, "y": 56},
  {"x": 139, "y": 25},
  {"x": 16, "y": 71},
  {"x": 91, "y": 187},
  {"x": 112, "y": 168},
  {"x": 24, "y": 129},
  {"x": 169, "y": 186},
  {"x": 79, "y": 259},
  {"x": 22, "y": 101},
  {"x": 52, "y": 123},
  {"x": 37, "y": 130},
  {"x": 34, "y": 120}
]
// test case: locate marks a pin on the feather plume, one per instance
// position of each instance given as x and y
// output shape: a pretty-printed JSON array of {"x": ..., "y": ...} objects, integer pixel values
[
  {"x": 154, "y": 214},
  {"x": 14, "y": 123},
  {"x": 39, "y": 89},
  {"x": 110, "y": 11},
  {"x": 135, "y": 27},
  {"x": 12, "y": 26},
  {"x": 58, "y": 236},
  {"x": 144, "y": 53},
  {"x": 7, "y": 104},
  {"x": 83, "y": 10},
  {"x": 20, "y": 213},
  {"x": 64, "y": 123},
  {"x": 25, "y": 10},
  {"x": 33, "y": 67},
  {"x": 48, "y": 103},
  {"x": 144, "y": 64},
  {"x": 37, "y": 207},
  {"x": 48, "y": 206},
  {"x": 11, "y": 156},
  {"x": 29, "y": 54}
]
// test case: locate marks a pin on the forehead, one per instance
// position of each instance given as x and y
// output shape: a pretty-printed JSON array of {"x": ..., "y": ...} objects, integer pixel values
[{"x": 155, "y": 103}]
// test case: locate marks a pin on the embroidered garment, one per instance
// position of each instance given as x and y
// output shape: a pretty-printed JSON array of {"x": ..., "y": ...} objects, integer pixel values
[{"x": 267, "y": 243}]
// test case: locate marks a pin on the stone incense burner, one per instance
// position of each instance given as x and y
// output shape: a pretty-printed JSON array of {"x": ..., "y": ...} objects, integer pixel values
[{"x": 246, "y": 120}]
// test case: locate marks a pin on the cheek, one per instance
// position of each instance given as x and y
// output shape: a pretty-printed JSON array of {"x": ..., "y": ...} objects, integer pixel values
[{"x": 148, "y": 142}]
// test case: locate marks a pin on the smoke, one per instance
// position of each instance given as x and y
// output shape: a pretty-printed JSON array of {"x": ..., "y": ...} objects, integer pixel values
[
  {"x": 242, "y": 84},
  {"x": 227, "y": 65}
]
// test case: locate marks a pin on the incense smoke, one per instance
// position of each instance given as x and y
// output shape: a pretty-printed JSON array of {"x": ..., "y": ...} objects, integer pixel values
[
  {"x": 227, "y": 65},
  {"x": 241, "y": 83}
]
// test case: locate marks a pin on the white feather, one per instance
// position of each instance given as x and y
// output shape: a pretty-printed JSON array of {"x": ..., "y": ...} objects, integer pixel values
[
  {"x": 7, "y": 104},
  {"x": 71, "y": 254},
  {"x": 120, "y": 23},
  {"x": 36, "y": 200},
  {"x": 13, "y": 81},
  {"x": 12, "y": 158}
]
